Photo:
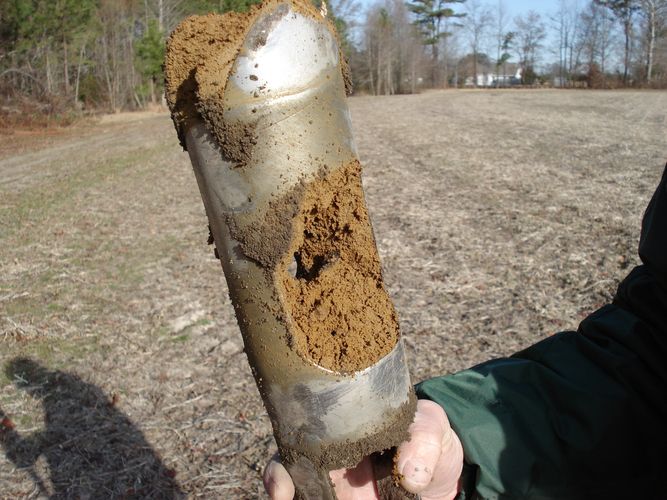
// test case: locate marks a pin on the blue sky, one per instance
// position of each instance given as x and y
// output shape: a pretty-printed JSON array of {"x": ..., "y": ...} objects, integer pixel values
[{"x": 544, "y": 7}]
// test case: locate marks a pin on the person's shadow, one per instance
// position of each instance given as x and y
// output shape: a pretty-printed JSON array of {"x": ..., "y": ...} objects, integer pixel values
[{"x": 92, "y": 449}]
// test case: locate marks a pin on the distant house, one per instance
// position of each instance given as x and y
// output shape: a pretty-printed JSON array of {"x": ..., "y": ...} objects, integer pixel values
[{"x": 492, "y": 76}]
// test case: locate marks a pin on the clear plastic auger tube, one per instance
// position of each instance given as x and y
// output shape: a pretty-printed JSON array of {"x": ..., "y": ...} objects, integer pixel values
[{"x": 274, "y": 157}]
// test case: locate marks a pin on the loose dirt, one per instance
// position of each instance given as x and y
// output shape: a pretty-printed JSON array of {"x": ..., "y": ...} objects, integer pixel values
[
  {"x": 200, "y": 54},
  {"x": 198, "y": 42},
  {"x": 267, "y": 239},
  {"x": 342, "y": 318}
]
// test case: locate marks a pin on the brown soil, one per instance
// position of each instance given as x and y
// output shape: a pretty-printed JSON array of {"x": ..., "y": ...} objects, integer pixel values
[
  {"x": 396, "y": 476},
  {"x": 212, "y": 40},
  {"x": 200, "y": 54},
  {"x": 387, "y": 477},
  {"x": 341, "y": 316},
  {"x": 268, "y": 239}
]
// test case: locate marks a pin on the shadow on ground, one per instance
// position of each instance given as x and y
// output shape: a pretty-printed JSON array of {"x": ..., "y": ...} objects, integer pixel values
[{"x": 92, "y": 449}]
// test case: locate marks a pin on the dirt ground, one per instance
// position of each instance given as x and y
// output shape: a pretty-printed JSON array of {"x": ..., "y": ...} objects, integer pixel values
[{"x": 501, "y": 217}]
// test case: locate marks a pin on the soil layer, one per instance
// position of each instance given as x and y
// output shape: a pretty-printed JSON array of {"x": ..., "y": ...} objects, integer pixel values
[
  {"x": 200, "y": 54},
  {"x": 348, "y": 454},
  {"x": 341, "y": 316},
  {"x": 196, "y": 43}
]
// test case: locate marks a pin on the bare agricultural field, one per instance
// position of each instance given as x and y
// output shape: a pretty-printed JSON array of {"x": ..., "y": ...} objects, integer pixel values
[{"x": 501, "y": 217}]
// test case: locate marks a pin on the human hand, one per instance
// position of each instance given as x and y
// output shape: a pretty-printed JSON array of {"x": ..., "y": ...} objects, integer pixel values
[{"x": 430, "y": 464}]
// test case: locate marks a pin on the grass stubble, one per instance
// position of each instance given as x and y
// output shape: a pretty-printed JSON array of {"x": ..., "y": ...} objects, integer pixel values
[{"x": 500, "y": 218}]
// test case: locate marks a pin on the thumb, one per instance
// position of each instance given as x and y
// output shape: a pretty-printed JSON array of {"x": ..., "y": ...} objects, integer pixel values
[
  {"x": 418, "y": 457},
  {"x": 277, "y": 481}
]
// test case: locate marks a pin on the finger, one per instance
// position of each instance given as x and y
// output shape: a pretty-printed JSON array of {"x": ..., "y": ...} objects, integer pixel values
[
  {"x": 418, "y": 457},
  {"x": 355, "y": 484},
  {"x": 445, "y": 484},
  {"x": 277, "y": 481}
]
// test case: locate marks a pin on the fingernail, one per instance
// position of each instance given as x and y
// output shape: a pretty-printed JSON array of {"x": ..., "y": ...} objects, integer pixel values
[
  {"x": 270, "y": 468},
  {"x": 417, "y": 473}
]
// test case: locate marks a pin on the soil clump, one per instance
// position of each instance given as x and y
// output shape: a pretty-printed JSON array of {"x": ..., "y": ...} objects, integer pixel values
[
  {"x": 268, "y": 238},
  {"x": 198, "y": 42},
  {"x": 200, "y": 54},
  {"x": 331, "y": 279}
]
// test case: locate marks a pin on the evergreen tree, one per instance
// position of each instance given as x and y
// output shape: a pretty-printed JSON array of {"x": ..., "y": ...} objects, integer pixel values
[
  {"x": 15, "y": 22},
  {"x": 217, "y": 6},
  {"x": 433, "y": 17},
  {"x": 149, "y": 56}
]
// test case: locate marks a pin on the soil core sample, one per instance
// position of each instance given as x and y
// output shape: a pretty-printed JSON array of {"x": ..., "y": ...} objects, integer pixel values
[
  {"x": 259, "y": 101},
  {"x": 342, "y": 318}
]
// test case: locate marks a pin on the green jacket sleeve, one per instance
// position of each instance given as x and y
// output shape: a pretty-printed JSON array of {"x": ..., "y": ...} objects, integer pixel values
[{"x": 580, "y": 415}]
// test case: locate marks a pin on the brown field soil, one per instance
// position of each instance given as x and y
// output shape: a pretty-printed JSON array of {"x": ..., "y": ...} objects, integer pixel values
[{"x": 500, "y": 216}]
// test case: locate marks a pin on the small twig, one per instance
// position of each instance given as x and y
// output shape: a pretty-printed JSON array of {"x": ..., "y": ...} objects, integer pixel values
[
  {"x": 13, "y": 296},
  {"x": 171, "y": 407}
]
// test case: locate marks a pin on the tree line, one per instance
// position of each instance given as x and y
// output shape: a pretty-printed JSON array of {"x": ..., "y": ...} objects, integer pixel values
[
  {"x": 73, "y": 54},
  {"x": 108, "y": 54},
  {"x": 438, "y": 43}
]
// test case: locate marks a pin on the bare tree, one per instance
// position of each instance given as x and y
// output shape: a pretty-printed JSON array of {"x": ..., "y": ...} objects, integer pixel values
[
  {"x": 595, "y": 39},
  {"x": 449, "y": 52},
  {"x": 660, "y": 61},
  {"x": 393, "y": 49},
  {"x": 501, "y": 34},
  {"x": 654, "y": 13},
  {"x": 168, "y": 13},
  {"x": 565, "y": 25},
  {"x": 477, "y": 22},
  {"x": 387, "y": 46},
  {"x": 530, "y": 36},
  {"x": 379, "y": 47},
  {"x": 114, "y": 55},
  {"x": 624, "y": 10},
  {"x": 409, "y": 51},
  {"x": 435, "y": 19}
]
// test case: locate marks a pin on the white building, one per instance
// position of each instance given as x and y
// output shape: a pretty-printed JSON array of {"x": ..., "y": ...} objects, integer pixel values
[{"x": 511, "y": 75}]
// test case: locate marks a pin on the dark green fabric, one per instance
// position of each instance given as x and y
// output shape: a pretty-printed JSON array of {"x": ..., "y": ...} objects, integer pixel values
[{"x": 580, "y": 415}]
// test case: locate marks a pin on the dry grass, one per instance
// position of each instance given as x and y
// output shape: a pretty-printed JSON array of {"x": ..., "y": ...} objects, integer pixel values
[{"x": 501, "y": 217}]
